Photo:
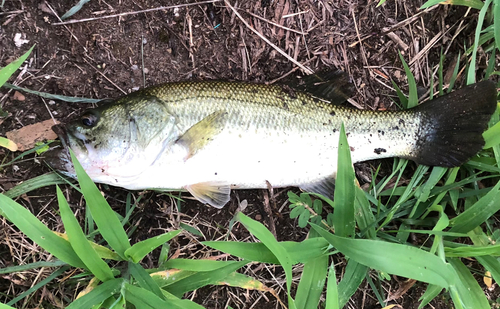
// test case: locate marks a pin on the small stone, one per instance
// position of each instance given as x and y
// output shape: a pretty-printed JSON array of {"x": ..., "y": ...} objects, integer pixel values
[
  {"x": 134, "y": 67},
  {"x": 146, "y": 71}
]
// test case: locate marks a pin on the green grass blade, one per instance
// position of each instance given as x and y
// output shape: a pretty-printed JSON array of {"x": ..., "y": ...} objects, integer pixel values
[
  {"x": 364, "y": 215},
  {"x": 167, "y": 277},
  {"x": 332, "y": 292},
  {"x": 35, "y": 183},
  {"x": 403, "y": 261},
  {"x": 475, "y": 4},
  {"x": 473, "y": 251},
  {"x": 145, "y": 299},
  {"x": 343, "y": 219},
  {"x": 98, "y": 294},
  {"x": 79, "y": 242},
  {"x": 40, "y": 284},
  {"x": 455, "y": 74},
  {"x": 431, "y": 293},
  {"x": 478, "y": 213},
  {"x": 425, "y": 191},
  {"x": 267, "y": 238},
  {"x": 201, "y": 279},
  {"x": 471, "y": 74},
  {"x": 299, "y": 252},
  {"x": 311, "y": 283},
  {"x": 10, "y": 68},
  {"x": 19, "y": 268},
  {"x": 491, "y": 264},
  {"x": 38, "y": 232},
  {"x": 109, "y": 226},
  {"x": 440, "y": 73},
  {"x": 470, "y": 293},
  {"x": 2, "y": 306},
  {"x": 196, "y": 265},
  {"x": 25, "y": 153},
  {"x": 354, "y": 275},
  {"x": 412, "y": 84},
  {"x": 496, "y": 24},
  {"x": 402, "y": 98},
  {"x": 492, "y": 136},
  {"x": 139, "y": 250},
  {"x": 243, "y": 281},
  {"x": 51, "y": 96},
  {"x": 144, "y": 279},
  {"x": 74, "y": 9}
]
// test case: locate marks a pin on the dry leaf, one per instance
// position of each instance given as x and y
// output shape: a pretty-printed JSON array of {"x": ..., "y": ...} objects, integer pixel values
[
  {"x": 28, "y": 136},
  {"x": 487, "y": 279}
]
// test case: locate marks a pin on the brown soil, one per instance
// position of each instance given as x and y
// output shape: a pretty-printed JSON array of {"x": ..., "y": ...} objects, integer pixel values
[{"x": 106, "y": 58}]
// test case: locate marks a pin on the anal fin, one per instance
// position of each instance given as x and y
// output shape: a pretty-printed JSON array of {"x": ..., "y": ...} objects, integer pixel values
[
  {"x": 216, "y": 194},
  {"x": 325, "y": 187}
]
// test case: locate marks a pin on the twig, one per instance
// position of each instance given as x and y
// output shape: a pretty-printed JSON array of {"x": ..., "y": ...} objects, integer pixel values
[
  {"x": 135, "y": 12},
  {"x": 363, "y": 53},
  {"x": 396, "y": 26},
  {"x": 306, "y": 70},
  {"x": 429, "y": 45},
  {"x": 272, "y": 22},
  {"x": 109, "y": 80},
  {"x": 294, "y": 14},
  {"x": 50, "y": 113},
  {"x": 57, "y": 16},
  {"x": 142, "y": 59},
  {"x": 290, "y": 72}
]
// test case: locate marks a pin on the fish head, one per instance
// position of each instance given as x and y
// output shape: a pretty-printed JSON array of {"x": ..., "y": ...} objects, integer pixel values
[{"x": 116, "y": 142}]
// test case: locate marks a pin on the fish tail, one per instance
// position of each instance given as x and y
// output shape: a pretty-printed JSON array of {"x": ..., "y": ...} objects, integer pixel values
[{"x": 452, "y": 125}]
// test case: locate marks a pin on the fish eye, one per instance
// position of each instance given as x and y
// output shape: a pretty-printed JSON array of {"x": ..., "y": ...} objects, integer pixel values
[{"x": 89, "y": 120}]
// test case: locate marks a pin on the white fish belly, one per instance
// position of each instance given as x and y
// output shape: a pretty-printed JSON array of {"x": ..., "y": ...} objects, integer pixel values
[{"x": 247, "y": 160}]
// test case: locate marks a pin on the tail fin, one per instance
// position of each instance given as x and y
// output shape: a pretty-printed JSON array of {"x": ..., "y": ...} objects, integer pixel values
[{"x": 452, "y": 128}]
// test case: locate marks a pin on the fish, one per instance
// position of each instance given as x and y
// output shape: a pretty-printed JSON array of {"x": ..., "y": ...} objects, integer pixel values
[{"x": 210, "y": 137}]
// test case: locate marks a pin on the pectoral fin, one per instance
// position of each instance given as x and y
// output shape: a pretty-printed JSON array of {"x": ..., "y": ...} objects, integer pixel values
[
  {"x": 203, "y": 132},
  {"x": 215, "y": 194}
]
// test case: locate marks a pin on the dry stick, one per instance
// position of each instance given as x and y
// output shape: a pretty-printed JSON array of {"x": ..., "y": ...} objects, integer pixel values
[
  {"x": 429, "y": 45},
  {"x": 290, "y": 72},
  {"x": 272, "y": 22},
  {"x": 132, "y": 13},
  {"x": 363, "y": 53},
  {"x": 109, "y": 80},
  {"x": 396, "y": 26},
  {"x": 55, "y": 14},
  {"x": 306, "y": 70},
  {"x": 50, "y": 113}
]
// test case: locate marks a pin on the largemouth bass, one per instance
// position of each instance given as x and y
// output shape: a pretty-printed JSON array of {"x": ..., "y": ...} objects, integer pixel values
[{"x": 210, "y": 137}]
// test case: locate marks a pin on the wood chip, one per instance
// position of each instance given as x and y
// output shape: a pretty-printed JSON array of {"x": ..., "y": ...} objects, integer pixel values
[
  {"x": 28, "y": 136},
  {"x": 18, "y": 96}
]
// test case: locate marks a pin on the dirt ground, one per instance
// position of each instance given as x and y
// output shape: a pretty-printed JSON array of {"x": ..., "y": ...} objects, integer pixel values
[{"x": 109, "y": 57}]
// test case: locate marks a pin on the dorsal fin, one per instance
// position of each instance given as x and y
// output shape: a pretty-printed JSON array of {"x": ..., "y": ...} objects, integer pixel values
[{"x": 332, "y": 86}]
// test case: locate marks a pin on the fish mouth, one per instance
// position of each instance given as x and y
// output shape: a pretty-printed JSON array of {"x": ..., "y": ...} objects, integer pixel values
[
  {"x": 58, "y": 157},
  {"x": 62, "y": 133}
]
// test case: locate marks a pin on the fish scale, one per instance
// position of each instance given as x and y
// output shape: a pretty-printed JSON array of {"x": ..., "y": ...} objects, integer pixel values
[{"x": 211, "y": 137}]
